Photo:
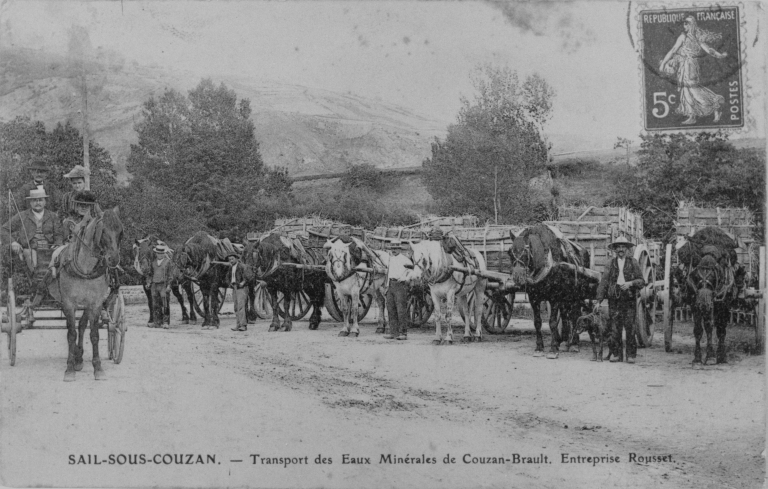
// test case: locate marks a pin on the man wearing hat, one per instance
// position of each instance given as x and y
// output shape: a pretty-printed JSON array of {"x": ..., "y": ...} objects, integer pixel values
[
  {"x": 397, "y": 293},
  {"x": 239, "y": 275},
  {"x": 33, "y": 229},
  {"x": 38, "y": 169},
  {"x": 159, "y": 286},
  {"x": 68, "y": 208},
  {"x": 619, "y": 284}
]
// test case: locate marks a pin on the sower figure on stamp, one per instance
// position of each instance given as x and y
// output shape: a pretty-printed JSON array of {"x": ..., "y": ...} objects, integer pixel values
[
  {"x": 238, "y": 278},
  {"x": 620, "y": 283},
  {"x": 160, "y": 286},
  {"x": 397, "y": 294}
]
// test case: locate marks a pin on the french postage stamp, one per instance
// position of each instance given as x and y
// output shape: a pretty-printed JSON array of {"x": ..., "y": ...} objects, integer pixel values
[{"x": 692, "y": 68}]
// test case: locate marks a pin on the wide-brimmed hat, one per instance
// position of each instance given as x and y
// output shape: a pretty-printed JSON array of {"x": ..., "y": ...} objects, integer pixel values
[
  {"x": 38, "y": 164},
  {"x": 37, "y": 193},
  {"x": 436, "y": 233},
  {"x": 161, "y": 248},
  {"x": 84, "y": 197},
  {"x": 621, "y": 241},
  {"x": 232, "y": 253},
  {"x": 252, "y": 236},
  {"x": 79, "y": 171}
]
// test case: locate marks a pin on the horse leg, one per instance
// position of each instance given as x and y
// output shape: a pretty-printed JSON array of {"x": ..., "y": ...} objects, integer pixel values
[
  {"x": 573, "y": 316},
  {"x": 275, "y": 324},
  {"x": 708, "y": 326},
  {"x": 93, "y": 317},
  {"x": 438, "y": 317},
  {"x": 478, "y": 312},
  {"x": 69, "y": 313},
  {"x": 346, "y": 307},
  {"x": 80, "y": 334},
  {"x": 555, "y": 339},
  {"x": 148, "y": 293},
  {"x": 594, "y": 346},
  {"x": 381, "y": 324},
  {"x": 215, "y": 305},
  {"x": 288, "y": 300},
  {"x": 187, "y": 286},
  {"x": 180, "y": 298},
  {"x": 721, "y": 322},
  {"x": 536, "y": 309},
  {"x": 250, "y": 305},
  {"x": 450, "y": 301},
  {"x": 698, "y": 331},
  {"x": 314, "y": 319},
  {"x": 206, "y": 305},
  {"x": 463, "y": 306},
  {"x": 353, "y": 307}
]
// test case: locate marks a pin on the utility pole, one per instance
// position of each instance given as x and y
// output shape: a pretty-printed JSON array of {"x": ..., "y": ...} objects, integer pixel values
[{"x": 86, "y": 136}]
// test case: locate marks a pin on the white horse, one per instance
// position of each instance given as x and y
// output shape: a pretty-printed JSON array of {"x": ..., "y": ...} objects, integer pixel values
[
  {"x": 351, "y": 283},
  {"x": 434, "y": 266}
]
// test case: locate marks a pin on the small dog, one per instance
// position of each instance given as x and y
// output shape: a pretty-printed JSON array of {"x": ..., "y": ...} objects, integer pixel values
[{"x": 596, "y": 323}]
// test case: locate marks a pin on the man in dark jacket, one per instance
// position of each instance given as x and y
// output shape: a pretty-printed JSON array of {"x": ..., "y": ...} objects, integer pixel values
[
  {"x": 239, "y": 276},
  {"x": 160, "y": 285},
  {"x": 620, "y": 282},
  {"x": 38, "y": 169},
  {"x": 33, "y": 229}
]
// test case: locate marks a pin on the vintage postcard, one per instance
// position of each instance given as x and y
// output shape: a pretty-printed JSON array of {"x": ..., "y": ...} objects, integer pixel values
[{"x": 375, "y": 244}]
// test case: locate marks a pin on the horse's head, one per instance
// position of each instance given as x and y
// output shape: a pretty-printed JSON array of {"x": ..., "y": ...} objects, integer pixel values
[
  {"x": 531, "y": 261},
  {"x": 142, "y": 254},
  {"x": 430, "y": 262},
  {"x": 339, "y": 260},
  {"x": 109, "y": 235},
  {"x": 705, "y": 280},
  {"x": 265, "y": 256}
]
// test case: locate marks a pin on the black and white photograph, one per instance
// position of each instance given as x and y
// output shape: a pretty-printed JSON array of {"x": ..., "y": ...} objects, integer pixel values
[{"x": 372, "y": 244}]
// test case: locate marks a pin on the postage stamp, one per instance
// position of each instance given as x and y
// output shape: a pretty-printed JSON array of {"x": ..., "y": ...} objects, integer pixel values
[{"x": 692, "y": 68}]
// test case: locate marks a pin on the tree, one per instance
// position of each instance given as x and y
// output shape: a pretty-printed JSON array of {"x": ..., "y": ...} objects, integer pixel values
[
  {"x": 202, "y": 147},
  {"x": 496, "y": 146},
  {"x": 703, "y": 168}
]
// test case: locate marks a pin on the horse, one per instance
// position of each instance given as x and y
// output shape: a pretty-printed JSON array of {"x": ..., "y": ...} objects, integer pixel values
[
  {"x": 709, "y": 287},
  {"x": 271, "y": 259},
  {"x": 435, "y": 266},
  {"x": 142, "y": 257},
  {"x": 536, "y": 254},
  {"x": 341, "y": 268},
  {"x": 195, "y": 260},
  {"x": 82, "y": 283}
]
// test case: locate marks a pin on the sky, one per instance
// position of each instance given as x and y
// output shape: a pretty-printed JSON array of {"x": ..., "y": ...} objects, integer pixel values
[{"x": 418, "y": 55}]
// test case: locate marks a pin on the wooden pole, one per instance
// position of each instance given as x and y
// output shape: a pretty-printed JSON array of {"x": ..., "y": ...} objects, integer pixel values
[
  {"x": 761, "y": 304},
  {"x": 668, "y": 299},
  {"x": 86, "y": 136}
]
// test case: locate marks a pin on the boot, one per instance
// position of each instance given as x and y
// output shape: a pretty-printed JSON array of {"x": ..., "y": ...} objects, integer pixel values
[{"x": 42, "y": 288}]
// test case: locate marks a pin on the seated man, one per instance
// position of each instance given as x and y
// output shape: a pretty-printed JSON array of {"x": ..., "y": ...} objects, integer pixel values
[
  {"x": 38, "y": 170},
  {"x": 35, "y": 228},
  {"x": 68, "y": 207}
]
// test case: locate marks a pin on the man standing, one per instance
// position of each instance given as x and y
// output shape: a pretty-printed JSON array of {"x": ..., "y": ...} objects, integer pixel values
[
  {"x": 160, "y": 286},
  {"x": 397, "y": 295},
  {"x": 34, "y": 229},
  {"x": 68, "y": 206},
  {"x": 238, "y": 280},
  {"x": 38, "y": 168},
  {"x": 620, "y": 283}
]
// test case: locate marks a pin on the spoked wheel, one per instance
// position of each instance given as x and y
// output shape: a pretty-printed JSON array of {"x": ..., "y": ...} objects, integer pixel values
[
  {"x": 497, "y": 310},
  {"x": 199, "y": 297},
  {"x": 420, "y": 305},
  {"x": 262, "y": 304},
  {"x": 335, "y": 306},
  {"x": 300, "y": 305},
  {"x": 649, "y": 307},
  {"x": 116, "y": 335}
]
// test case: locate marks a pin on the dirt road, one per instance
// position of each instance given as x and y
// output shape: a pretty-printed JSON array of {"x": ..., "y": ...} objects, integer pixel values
[{"x": 217, "y": 397}]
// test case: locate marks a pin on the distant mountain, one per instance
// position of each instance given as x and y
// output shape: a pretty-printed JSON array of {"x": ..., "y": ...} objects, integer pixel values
[{"x": 306, "y": 130}]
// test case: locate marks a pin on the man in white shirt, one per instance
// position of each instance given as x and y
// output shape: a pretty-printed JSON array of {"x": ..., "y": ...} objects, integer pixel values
[
  {"x": 238, "y": 281},
  {"x": 621, "y": 280},
  {"x": 397, "y": 294}
]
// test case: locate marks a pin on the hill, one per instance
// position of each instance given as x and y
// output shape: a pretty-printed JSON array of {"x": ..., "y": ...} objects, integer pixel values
[{"x": 304, "y": 129}]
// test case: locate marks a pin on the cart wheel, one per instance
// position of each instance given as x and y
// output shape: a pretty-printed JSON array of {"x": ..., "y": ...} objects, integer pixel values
[
  {"x": 420, "y": 306},
  {"x": 497, "y": 311},
  {"x": 262, "y": 303},
  {"x": 199, "y": 297},
  {"x": 649, "y": 309},
  {"x": 334, "y": 306},
  {"x": 300, "y": 305}
]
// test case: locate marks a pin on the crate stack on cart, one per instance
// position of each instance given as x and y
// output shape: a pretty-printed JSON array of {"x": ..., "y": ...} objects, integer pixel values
[
  {"x": 492, "y": 241},
  {"x": 448, "y": 223}
]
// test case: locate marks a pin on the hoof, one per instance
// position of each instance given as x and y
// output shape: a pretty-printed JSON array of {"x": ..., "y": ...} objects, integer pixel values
[
  {"x": 185, "y": 321},
  {"x": 69, "y": 376},
  {"x": 575, "y": 349},
  {"x": 446, "y": 342},
  {"x": 99, "y": 375},
  {"x": 437, "y": 342},
  {"x": 273, "y": 327},
  {"x": 150, "y": 324},
  {"x": 380, "y": 330},
  {"x": 594, "y": 359},
  {"x": 355, "y": 334},
  {"x": 538, "y": 354},
  {"x": 313, "y": 327},
  {"x": 552, "y": 355},
  {"x": 466, "y": 339},
  {"x": 78, "y": 365},
  {"x": 478, "y": 338},
  {"x": 343, "y": 333}
]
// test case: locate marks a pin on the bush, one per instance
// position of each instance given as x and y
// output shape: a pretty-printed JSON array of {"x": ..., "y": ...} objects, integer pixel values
[
  {"x": 364, "y": 176},
  {"x": 573, "y": 167}
]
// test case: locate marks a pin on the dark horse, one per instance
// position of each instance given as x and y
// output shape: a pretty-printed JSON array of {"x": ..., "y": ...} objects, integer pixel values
[
  {"x": 82, "y": 283},
  {"x": 196, "y": 261},
  {"x": 271, "y": 259},
  {"x": 708, "y": 278},
  {"x": 142, "y": 257},
  {"x": 538, "y": 256}
]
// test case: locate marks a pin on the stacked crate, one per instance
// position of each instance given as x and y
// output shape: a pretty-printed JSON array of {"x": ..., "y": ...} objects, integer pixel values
[
  {"x": 298, "y": 226},
  {"x": 448, "y": 223},
  {"x": 492, "y": 242},
  {"x": 738, "y": 222},
  {"x": 386, "y": 238},
  {"x": 319, "y": 235},
  {"x": 595, "y": 228}
]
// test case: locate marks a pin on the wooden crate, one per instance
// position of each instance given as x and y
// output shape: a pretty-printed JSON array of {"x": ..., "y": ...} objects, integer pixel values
[
  {"x": 624, "y": 221},
  {"x": 299, "y": 225},
  {"x": 448, "y": 223},
  {"x": 738, "y": 222},
  {"x": 319, "y": 235},
  {"x": 386, "y": 238},
  {"x": 492, "y": 242}
]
